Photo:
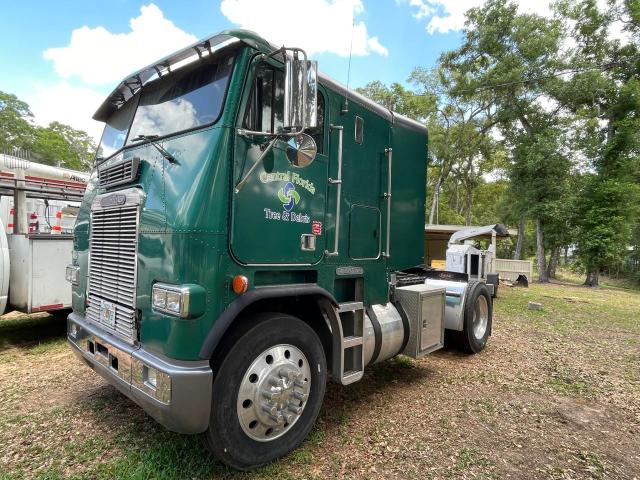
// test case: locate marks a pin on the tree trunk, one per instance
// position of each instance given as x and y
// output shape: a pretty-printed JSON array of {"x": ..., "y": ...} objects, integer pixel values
[
  {"x": 593, "y": 279},
  {"x": 542, "y": 267},
  {"x": 517, "y": 254},
  {"x": 435, "y": 200},
  {"x": 553, "y": 263}
]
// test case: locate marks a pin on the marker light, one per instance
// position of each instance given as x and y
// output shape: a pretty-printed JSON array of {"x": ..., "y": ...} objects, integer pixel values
[
  {"x": 240, "y": 284},
  {"x": 72, "y": 274},
  {"x": 151, "y": 376}
]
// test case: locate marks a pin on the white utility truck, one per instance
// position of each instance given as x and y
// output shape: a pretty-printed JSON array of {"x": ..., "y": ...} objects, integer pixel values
[{"x": 37, "y": 213}]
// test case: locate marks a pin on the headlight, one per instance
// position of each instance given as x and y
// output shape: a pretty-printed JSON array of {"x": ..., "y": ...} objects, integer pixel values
[
  {"x": 159, "y": 298},
  {"x": 186, "y": 301},
  {"x": 169, "y": 299},
  {"x": 72, "y": 274}
]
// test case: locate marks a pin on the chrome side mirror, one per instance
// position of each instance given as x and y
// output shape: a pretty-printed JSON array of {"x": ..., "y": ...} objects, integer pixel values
[
  {"x": 301, "y": 150},
  {"x": 300, "y": 91}
]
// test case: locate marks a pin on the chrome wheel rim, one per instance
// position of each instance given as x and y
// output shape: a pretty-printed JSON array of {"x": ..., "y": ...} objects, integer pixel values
[
  {"x": 480, "y": 317},
  {"x": 273, "y": 392}
]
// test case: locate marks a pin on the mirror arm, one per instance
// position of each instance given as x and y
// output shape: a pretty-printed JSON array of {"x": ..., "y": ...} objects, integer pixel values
[
  {"x": 253, "y": 133},
  {"x": 241, "y": 183}
]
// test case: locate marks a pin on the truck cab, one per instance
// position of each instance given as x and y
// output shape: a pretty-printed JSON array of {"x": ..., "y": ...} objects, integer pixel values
[{"x": 251, "y": 229}]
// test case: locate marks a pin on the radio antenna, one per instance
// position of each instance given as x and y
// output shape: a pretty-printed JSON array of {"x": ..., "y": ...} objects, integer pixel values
[{"x": 345, "y": 108}]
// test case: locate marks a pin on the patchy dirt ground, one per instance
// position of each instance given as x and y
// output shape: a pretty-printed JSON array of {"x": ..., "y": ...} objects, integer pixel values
[{"x": 555, "y": 395}]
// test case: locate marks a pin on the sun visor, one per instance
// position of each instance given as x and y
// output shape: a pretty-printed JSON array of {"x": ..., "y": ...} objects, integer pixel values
[{"x": 130, "y": 86}]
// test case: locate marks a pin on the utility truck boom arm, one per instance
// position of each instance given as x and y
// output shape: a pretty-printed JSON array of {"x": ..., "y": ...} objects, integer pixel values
[{"x": 465, "y": 234}]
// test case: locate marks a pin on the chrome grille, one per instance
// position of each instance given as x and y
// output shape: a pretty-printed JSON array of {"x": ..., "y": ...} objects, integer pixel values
[
  {"x": 113, "y": 265},
  {"x": 123, "y": 171}
]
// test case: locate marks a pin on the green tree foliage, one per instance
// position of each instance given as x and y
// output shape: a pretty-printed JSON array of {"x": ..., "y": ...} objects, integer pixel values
[
  {"x": 56, "y": 144},
  {"x": 565, "y": 97},
  {"x": 604, "y": 99},
  {"x": 501, "y": 49},
  {"x": 16, "y": 130}
]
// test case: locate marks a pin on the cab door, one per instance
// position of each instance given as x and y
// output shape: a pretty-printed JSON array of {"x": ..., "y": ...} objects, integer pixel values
[{"x": 278, "y": 210}]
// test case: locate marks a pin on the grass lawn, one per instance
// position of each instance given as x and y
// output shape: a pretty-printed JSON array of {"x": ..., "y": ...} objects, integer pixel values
[{"x": 556, "y": 394}]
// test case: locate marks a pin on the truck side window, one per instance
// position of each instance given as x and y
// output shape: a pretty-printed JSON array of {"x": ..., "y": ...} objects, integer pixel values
[{"x": 265, "y": 110}]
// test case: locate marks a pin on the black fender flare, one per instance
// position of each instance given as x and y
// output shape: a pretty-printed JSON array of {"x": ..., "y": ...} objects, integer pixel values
[{"x": 226, "y": 318}]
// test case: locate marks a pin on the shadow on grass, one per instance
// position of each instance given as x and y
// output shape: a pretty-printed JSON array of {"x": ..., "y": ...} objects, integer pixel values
[
  {"x": 143, "y": 449},
  {"x": 25, "y": 331}
]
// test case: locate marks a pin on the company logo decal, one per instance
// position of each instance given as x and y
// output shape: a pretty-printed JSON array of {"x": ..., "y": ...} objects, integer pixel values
[
  {"x": 289, "y": 177},
  {"x": 316, "y": 227},
  {"x": 113, "y": 200},
  {"x": 288, "y": 196}
]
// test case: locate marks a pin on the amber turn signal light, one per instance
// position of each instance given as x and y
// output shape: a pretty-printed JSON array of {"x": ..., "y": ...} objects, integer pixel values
[{"x": 240, "y": 284}]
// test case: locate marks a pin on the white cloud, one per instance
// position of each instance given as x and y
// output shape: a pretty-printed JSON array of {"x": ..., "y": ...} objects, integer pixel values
[
  {"x": 318, "y": 26},
  {"x": 100, "y": 57},
  {"x": 67, "y": 104},
  {"x": 449, "y": 15}
]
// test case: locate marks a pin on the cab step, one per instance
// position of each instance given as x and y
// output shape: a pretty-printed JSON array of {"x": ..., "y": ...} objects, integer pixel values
[{"x": 351, "y": 363}]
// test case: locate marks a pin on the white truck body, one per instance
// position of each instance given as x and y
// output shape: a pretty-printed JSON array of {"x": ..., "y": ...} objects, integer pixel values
[{"x": 36, "y": 242}]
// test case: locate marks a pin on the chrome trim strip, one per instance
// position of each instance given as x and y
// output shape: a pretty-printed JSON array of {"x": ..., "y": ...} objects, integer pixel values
[
  {"x": 387, "y": 196},
  {"x": 338, "y": 182}
]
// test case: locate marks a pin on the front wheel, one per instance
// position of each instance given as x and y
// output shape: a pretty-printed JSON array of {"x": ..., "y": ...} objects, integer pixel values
[{"x": 267, "y": 392}]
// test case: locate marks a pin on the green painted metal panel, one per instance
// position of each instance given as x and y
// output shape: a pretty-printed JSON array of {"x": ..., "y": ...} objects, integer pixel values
[
  {"x": 277, "y": 205},
  {"x": 364, "y": 232}
]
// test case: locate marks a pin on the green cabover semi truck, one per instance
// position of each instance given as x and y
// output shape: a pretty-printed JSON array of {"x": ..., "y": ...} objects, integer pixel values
[{"x": 252, "y": 228}]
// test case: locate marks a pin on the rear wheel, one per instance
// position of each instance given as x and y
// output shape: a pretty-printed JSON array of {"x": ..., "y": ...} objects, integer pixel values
[
  {"x": 267, "y": 392},
  {"x": 478, "y": 313}
]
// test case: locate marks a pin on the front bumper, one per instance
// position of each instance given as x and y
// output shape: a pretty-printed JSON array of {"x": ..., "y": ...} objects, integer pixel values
[{"x": 179, "y": 397}]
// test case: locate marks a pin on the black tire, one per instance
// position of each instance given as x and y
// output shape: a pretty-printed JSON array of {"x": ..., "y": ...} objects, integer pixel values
[
  {"x": 468, "y": 341},
  {"x": 494, "y": 279},
  {"x": 225, "y": 437}
]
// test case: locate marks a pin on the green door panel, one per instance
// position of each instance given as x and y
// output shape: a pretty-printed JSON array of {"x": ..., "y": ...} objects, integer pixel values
[
  {"x": 276, "y": 206},
  {"x": 364, "y": 232}
]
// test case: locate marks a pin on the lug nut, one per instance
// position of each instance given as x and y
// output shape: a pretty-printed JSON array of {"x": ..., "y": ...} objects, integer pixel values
[
  {"x": 287, "y": 374},
  {"x": 276, "y": 382},
  {"x": 271, "y": 410},
  {"x": 269, "y": 395},
  {"x": 294, "y": 409},
  {"x": 300, "y": 396}
]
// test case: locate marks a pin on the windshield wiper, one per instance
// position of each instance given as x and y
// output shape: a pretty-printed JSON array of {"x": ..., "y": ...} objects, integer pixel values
[{"x": 151, "y": 139}]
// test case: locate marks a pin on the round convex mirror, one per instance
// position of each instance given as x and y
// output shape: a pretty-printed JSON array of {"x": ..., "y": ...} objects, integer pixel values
[{"x": 301, "y": 150}]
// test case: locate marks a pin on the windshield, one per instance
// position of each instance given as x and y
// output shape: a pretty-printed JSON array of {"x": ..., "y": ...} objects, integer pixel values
[{"x": 184, "y": 100}]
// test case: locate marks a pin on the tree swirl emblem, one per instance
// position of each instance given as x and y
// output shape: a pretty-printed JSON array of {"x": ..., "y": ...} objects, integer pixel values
[{"x": 288, "y": 196}]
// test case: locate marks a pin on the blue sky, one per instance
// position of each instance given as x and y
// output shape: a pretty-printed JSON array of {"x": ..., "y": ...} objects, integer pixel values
[{"x": 63, "y": 57}]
